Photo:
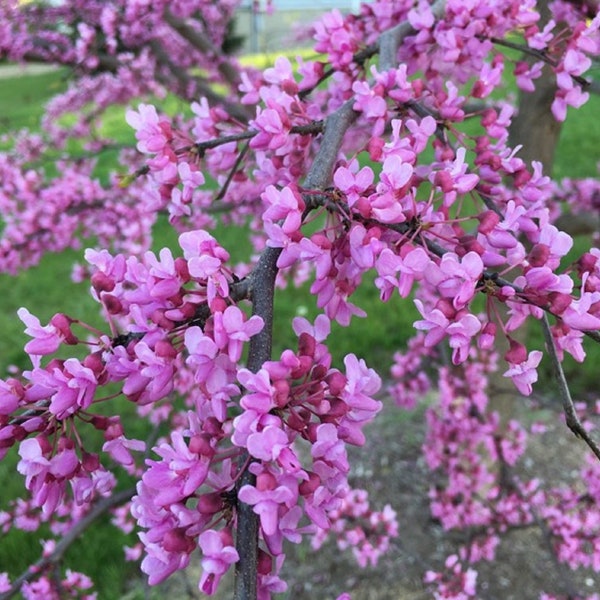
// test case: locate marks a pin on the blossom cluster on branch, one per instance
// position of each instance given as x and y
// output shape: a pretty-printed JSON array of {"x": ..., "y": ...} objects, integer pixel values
[{"x": 354, "y": 163}]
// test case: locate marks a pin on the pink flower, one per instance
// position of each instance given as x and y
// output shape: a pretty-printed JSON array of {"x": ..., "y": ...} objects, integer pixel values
[
  {"x": 273, "y": 444},
  {"x": 261, "y": 396},
  {"x": 205, "y": 259},
  {"x": 119, "y": 448},
  {"x": 273, "y": 125},
  {"x": 364, "y": 245},
  {"x": 461, "y": 329},
  {"x": 456, "y": 278},
  {"x": 362, "y": 383},
  {"x": 524, "y": 374},
  {"x": 231, "y": 330},
  {"x": 33, "y": 462},
  {"x": 218, "y": 554},
  {"x": 266, "y": 498},
  {"x": 153, "y": 133},
  {"x": 178, "y": 474},
  {"x": 46, "y": 340},
  {"x": 353, "y": 184},
  {"x": 191, "y": 178},
  {"x": 283, "y": 216},
  {"x": 578, "y": 316},
  {"x": 211, "y": 368}
]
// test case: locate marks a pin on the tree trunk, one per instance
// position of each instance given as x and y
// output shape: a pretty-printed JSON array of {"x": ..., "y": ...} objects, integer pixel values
[{"x": 534, "y": 127}]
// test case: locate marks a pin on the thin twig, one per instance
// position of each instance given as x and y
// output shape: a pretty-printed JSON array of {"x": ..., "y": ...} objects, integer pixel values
[
  {"x": 238, "y": 161},
  {"x": 312, "y": 128},
  {"x": 539, "y": 54},
  {"x": 573, "y": 422},
  {"x": 67, "y": 540}
]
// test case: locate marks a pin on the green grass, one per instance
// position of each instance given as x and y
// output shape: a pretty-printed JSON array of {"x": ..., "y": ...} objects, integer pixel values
[
  {"x": 47, "y": 289},
  {"x": 23, "y": 98}
]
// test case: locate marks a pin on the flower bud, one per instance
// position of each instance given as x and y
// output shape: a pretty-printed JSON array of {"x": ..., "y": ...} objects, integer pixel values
[
  {"x": 200, "y": 444},
  {"x": 309, "y": 486},
  {"x": 209, "y": 504},
  {"x": 175, "y": 540},
  {"x": 63, "y": 325},
  {"x": 101, "y": 282},
  {"x": 336, "y": 382},
  {"x": 112, "y": 304},
  {"x": 487, "y": 221},
  {"x": 538, "y": 256},
  {"x": 516, "y": 354}
]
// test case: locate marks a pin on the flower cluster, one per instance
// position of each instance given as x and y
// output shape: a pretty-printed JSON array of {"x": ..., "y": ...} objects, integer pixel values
[
  {"x": 294, "y": 401},
  {"x": 358, "y": 527}
]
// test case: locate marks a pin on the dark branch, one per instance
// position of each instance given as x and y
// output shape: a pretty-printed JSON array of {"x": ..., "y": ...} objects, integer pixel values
[
  {"x": 573, "y": 422},
  {"x": 229, "y": 73},
  {"x": 67, "y": 540}
]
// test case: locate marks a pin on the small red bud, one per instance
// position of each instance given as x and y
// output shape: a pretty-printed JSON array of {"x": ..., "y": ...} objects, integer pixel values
[
  {"x": 539, "y": 255},
  {"x": 181, "y": 268},
  {"x": 112, "y": 303},
  {"x": 487, "y": 221},
  {"x": 90, "y": 461},
  {"x": 158, "y": 317},
  {"x": 336, "y": 382},
  {"x": 265, "y": 481},
  {"x": 308, "y": 487},
  {"x": 265, "y": 562},
  {"x": 516, "y": 354},
  {"x": 200, "y": 444},
  {"x": 559, "y": 302},
  {"x": 282, "y": 392},
  {"x": 209, "y": 504},
  {"x": 175, "y": 540},
  {"x": 63, "y": 324},
  {"x": 101, "y": 282},
  {"x": 164, "y": 349},
  {"x": 113, "y": 431},
  {"x": 306, "y": 344}
]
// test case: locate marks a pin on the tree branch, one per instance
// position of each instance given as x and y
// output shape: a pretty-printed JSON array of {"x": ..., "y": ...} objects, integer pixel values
[
  {"x": 229, "y": 73},
  {"x": 67, "y": 540},
  {"x": 573, "y": 422},
  {"x": 200, "y": 87}
]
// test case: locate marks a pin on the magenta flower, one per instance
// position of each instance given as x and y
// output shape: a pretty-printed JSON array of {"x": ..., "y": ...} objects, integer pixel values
[
  {"x": 524, "y": 374},
  {"x": 46, "y": 339},
  {"x": 283, "y": 216},
  {"x": 454, "y": 277},
  {"x": 33, "y": 462},
  {"x": 178, "y": 475},
  {"x": 273, "y": 125},
  {"x": 353, "y": 183},
  {"x": 231, "y": 330},
  {"x": 412, "y": 268},
  {"x": 579, "y": 315},
  {"x": 262, "y": 393},
  {"x": 266, "y": 500},
  {"x": 119, "y": 449},
  {"x": 205, "y": 259},
  {"x": 273, "y": 444},
  {"x": 460, "y": 330},
  {"x": 218, "y": 554},
  {"x": 153, "y": 133}
]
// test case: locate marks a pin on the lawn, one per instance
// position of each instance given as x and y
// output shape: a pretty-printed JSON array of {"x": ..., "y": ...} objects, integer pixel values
[{"x": 47, "y": 289}]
